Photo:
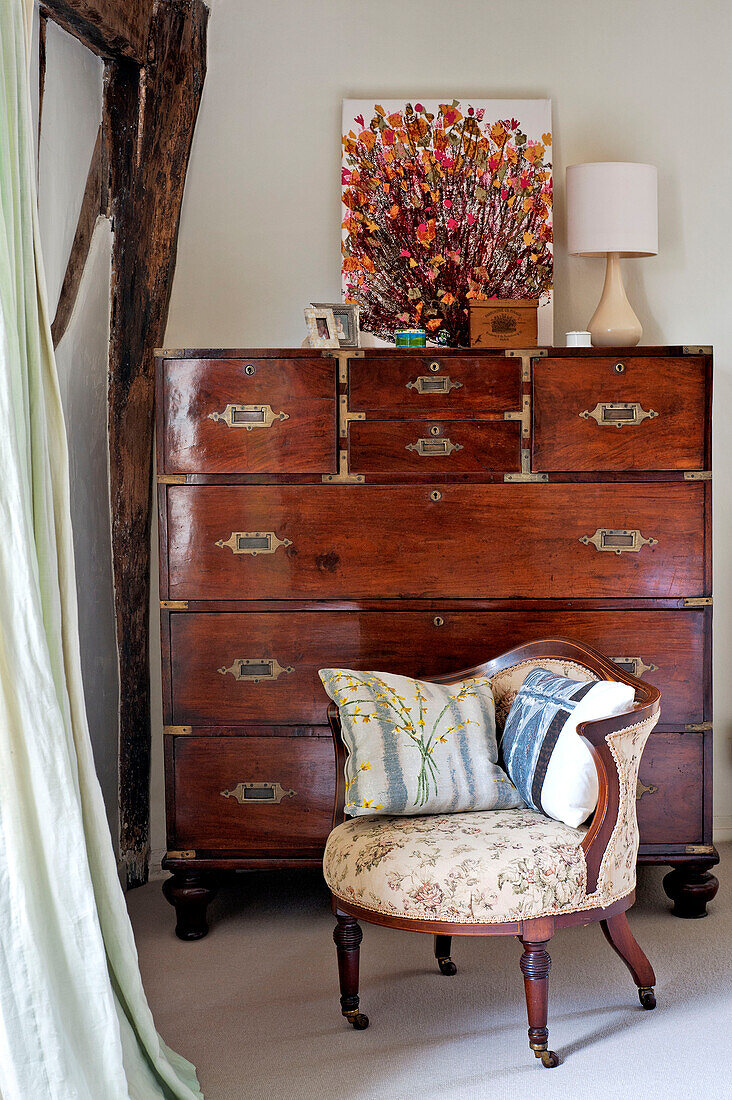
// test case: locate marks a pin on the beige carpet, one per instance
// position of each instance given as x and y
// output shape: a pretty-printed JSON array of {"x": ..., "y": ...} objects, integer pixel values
[{"x": 255, "y": 1004}]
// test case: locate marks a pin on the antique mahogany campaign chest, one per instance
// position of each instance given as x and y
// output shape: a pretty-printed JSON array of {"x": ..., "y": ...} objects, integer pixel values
[{"x": 419, "y": 512}]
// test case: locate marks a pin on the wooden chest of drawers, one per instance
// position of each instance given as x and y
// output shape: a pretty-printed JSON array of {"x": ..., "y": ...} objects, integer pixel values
[{"x": 419, "y": 512}]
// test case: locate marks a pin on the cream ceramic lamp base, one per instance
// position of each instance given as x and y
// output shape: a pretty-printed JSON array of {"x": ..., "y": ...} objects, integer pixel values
[{"x": 614, "y": 324}]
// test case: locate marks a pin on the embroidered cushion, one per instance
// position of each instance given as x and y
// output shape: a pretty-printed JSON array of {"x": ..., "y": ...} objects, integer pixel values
[
  {"x": 471, "y": 868},
  {"x": 418, "y": 748},
  {"x": 544, "y": 755}
]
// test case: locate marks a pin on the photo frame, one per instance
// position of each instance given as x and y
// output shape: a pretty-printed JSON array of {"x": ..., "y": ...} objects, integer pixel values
[
  {"x": 321, "y": 327},
  {"x": 347, "y": 321}
]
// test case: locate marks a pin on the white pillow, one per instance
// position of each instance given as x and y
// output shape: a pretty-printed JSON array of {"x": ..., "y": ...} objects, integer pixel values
[{"x": 550, "y": 764}]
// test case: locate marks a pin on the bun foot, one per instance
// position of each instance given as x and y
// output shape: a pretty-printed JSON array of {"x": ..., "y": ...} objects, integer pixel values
[
  {"x": 190, "y": 893},
  {"x": 647, "y": 997},
  {"x": 357, "y": 1020},
  {"x": 447, "y": 967},
  {"x": 690, "y": 887}
]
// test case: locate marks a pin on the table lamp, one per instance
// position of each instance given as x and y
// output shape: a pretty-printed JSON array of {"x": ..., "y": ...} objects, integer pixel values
[{"x": 612, "y": 210}]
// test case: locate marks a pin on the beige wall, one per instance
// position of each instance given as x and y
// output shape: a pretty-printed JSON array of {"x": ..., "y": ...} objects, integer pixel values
[{"x": 648, "y": 81}]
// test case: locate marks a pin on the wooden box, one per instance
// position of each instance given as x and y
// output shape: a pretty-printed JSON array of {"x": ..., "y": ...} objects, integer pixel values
[{"x": 504, "y": 323}]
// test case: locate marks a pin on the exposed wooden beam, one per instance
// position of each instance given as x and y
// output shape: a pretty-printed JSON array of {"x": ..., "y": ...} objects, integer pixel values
[
  {"x": 149, "y": 119},
  {"x": 112, "y": 28},
  {"x": 91, "y": 205}
]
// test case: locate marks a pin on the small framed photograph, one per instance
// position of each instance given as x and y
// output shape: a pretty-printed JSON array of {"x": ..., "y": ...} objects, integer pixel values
[
  {"x": 321, "y": 327},
  {"x": 347, "y": 322}
]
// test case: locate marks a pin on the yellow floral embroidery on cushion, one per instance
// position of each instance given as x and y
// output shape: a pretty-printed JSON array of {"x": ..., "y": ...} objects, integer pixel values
[{"x": 405, "y": 718}]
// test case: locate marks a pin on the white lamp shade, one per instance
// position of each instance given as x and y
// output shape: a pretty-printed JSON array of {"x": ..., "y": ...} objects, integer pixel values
[{"x": 612, "y": 207}]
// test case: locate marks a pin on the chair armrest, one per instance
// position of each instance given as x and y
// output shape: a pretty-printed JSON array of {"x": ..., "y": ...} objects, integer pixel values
[{"x": 611, "y": 842}]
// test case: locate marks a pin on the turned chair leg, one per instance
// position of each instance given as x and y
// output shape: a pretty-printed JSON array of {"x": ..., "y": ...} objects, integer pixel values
[
  {"x": 347, "y": 935},
  {"x": 442, "y": 954},
  {"x": 535, "y": 966},
  {"x": 618, "y": 934}
]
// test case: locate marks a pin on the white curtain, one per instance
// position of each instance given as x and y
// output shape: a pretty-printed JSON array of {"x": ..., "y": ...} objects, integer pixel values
[{"x": 74, "y": 1021}]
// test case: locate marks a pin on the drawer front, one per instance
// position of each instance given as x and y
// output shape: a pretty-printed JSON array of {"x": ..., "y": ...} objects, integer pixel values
[
  {"x": 401, "y": 385},
  {"x": 671, "y": 789},
  {"x": 499, "y": 541},
  {"x": 251, "y": 792},
  {"x": 234, "y": 668},
  {"x": 590, "y": 415},
  {"x": 227, "y": 416},
  {"x": 435, "y": 446}
]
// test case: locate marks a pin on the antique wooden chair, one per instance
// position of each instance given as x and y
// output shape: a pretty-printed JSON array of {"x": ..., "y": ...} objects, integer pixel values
[{"x": 559, "y": 876}]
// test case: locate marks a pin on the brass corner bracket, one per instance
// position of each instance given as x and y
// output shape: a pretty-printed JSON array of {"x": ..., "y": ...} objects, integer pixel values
[
  {"x": 343, "y": 477},
  {"x": 524, "y": 416},
  {"x": 525, "y": 355},
  {"x": 526, "y": 479},
  {"x": 342, "y": 355}
]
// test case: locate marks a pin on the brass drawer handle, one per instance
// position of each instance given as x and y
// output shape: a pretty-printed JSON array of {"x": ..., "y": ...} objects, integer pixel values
[
  {"x": 254, "y": 669},
  {"x": 641, "y": 789},
  {"x": 618, "y": 413},
  {"x": 634, "y": 665},
  {"x": 259, "y": 793},
  {"x": 618, "y": 541},
  {"x": 441, "y": 384},
  {"x": 248, "y": 416},
  {"x": 253, "y": 542},
  {"x": 429, "y": 447}
]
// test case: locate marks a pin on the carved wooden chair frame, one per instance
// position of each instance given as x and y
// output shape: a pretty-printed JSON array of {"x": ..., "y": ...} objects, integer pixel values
[{"x": 534, "y": 934}]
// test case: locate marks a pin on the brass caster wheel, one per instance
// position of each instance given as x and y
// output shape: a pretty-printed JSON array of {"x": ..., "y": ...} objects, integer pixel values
[
  {"x": 647, "y": 997},
  {"x": 357, "y": 1020},
  {"x": 447, "y": 966},
  {"x": 548, "y": 1058}
]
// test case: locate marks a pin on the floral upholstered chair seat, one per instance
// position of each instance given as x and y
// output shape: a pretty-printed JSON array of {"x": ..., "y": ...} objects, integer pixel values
[{"x": 470, "y": 868}]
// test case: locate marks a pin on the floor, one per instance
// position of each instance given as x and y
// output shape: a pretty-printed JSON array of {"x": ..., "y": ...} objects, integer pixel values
[{"x": 255, "y": 1004}]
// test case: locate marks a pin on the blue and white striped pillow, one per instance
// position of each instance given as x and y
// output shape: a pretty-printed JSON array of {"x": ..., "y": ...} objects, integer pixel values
[
  {"x": 549, "y": 762},
  {"x": 418, "y": 748}
]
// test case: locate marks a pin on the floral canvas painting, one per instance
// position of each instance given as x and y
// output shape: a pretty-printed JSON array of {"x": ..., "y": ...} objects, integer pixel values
[{"x": 444, "y": 203}]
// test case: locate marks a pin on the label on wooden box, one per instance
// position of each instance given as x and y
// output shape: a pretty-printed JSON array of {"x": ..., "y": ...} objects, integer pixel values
[{"x": 504, "y": 323}]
